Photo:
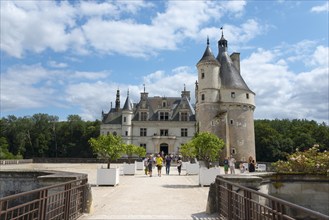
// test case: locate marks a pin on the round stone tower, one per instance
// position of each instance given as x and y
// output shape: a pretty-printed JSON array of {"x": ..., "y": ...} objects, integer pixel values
[
  {"x": 225, "y": 104},
  {"x": 207, "y": 89}
]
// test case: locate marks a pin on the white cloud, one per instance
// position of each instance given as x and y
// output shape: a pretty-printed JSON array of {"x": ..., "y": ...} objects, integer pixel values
[
  {"x": 24, "y": 87},
  {"x": 38, "y": 25},
  {"x": 281, "y": 93},
  {"x": 82, "y": 27},
  {"x": 53, "y": 63},
  {"x": 320, "y": 56},
  {"x": 33, "y": 86},
  {"x": 321, "y": 8}
]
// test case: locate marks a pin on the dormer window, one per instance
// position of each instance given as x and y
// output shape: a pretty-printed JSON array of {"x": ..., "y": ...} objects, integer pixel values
[
  {"x": 143, "y": 116},
  {"x": 164, "y": 116},
  {"x": 184, "y": 116},
  {"x": 164, "y": 104}
]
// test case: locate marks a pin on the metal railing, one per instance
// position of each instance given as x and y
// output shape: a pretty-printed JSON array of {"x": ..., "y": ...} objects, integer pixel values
[
  {"x": 58, "y": 202},
  {"x": 236, "y": 202}
]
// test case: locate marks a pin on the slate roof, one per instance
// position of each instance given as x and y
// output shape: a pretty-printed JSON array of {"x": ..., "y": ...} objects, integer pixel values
[
  {"x": 230, "y": 76},
  {"x": 153, "y": 106},
  {"x": 208, "y": 56}
]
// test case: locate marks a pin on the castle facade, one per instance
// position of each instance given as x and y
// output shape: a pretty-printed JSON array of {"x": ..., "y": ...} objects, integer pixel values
[{"x": 224, "y": 106}]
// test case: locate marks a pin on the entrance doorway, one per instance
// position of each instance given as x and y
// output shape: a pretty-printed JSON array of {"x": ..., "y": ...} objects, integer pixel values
[{"x": 164, "y": 148}]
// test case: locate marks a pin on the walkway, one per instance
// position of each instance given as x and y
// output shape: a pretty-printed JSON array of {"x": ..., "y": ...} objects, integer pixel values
[{"x": 139, "y": 196}]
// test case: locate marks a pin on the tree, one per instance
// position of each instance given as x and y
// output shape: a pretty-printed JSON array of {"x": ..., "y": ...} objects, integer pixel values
[
  {"x": 109, "y": 147},
  {"x": 207, "y": 147},
  {"x": 129, "y": 150},
  {"x": 188, "y": 151},
  {"x": 141, "y": 152}
]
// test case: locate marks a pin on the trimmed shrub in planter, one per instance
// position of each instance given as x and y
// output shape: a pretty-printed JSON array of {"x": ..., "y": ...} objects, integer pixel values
[{"x": 107, "y": 147}]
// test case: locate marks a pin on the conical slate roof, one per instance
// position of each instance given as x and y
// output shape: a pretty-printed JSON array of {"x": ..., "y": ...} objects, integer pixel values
[
  {"x": 208, "y": 55},
  {"x": 128, "y": 106},
  {"x": 230, "y": 76}
]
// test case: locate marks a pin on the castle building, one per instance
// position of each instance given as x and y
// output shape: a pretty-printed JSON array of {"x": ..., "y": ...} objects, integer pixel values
[
  {"x": 224, "y": 106},
  {"x": 160, "y": 124}
]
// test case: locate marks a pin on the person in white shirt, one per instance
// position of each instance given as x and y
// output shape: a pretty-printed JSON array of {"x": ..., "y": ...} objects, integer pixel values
[{"x": 232, "y": 165}]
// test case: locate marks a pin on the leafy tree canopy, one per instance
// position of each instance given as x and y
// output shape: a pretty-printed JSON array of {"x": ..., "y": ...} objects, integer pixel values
[
  {"x": 206, "y": 146},
  {"x": 109, "y": 147}
]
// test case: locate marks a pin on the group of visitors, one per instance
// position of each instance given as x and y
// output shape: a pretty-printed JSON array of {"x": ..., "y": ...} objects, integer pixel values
[
  {"x": 158, "y": 161},
  {"x": 229, "y": 163}
]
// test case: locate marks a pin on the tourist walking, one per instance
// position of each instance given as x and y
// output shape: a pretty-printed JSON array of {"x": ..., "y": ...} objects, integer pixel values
[
  {"x": 168, "y": 163},
  {"x": 179, "y": 165},
  {"x": 232, "y": 164},
  {"x": 150, "y": 164},
  {"x": 159, "y": 162},
  {"x": 251, "y": 165},
  {"x": 226, "y": 165},
  {"x": 145, "y": 165}
]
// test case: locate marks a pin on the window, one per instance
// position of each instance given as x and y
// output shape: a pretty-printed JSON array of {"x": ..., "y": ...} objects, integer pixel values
[
  {"x": 126, "y": 133},
  {"x": 163, "y": 132},
  {"x": 142, "y": 145},
  {"x": 232, "y": 122},
  {"x": 164, "y": 104},
  {"x": 232, "y": 94},
  {"x": 233, "y": 151},
  {"x": 124, "y": 119},
  {"x": 108, "y": 133},
  {"x": 202, "y": 73},
  {"x": 143, "y": 116},
  {"x": 164, "y": 116},
  {"x": 184, "y": 132},
  {"x": 183, "y": 116},
  {"x": 114, "y": 133},
  {"x": 143, "y": 132},
  {"x": 202, "y": 97},
  {"x": 247, "y": 95}
]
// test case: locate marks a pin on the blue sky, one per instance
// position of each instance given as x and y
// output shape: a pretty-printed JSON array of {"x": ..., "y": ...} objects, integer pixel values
[{"x": 70, "y": 57}]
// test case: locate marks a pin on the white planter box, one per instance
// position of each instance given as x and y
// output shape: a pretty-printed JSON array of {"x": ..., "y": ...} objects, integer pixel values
[
  {"x": 192, "y": 168},
  {"x": 108, "y": 176},
  {"x": 129, "y": 169},
  {"x": 184, "y": 165},
  {"x": 139, "y": 165},
  {"x": 208, "y": 176}
]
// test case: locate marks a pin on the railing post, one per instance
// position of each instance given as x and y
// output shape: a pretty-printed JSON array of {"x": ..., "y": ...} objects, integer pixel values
[
  {"x": 247, "y": 204},
  {"x": 67, "y": 199},
  {"x": 230, "y": 201},
  {"x": 42, "y": 204}
]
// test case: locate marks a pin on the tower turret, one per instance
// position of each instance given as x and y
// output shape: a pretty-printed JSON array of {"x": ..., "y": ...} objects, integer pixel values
[
  {"x": 222, "y": 45},
  {"x": 127, "y": 116},
  {"x": 208, "y": 86}
]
